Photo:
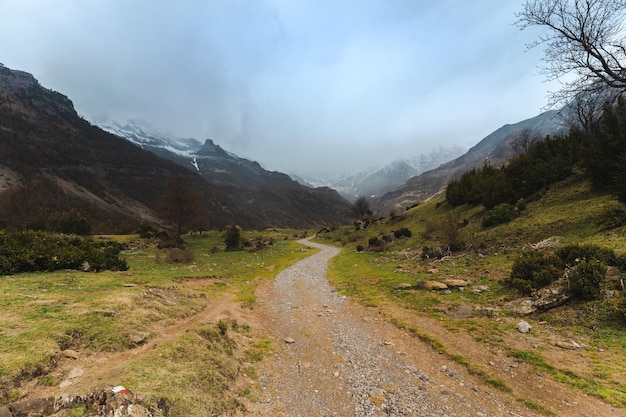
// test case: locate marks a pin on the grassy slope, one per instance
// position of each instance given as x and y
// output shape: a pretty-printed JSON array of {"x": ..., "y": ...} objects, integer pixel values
[
  {"x": 569, "y": 211},
  {"x": 44, "y": 313}
]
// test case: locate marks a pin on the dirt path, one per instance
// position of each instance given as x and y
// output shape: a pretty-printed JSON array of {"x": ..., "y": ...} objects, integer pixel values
[
  {"x": 339, "y": 359},
  {"x": 335, "y": 358}
]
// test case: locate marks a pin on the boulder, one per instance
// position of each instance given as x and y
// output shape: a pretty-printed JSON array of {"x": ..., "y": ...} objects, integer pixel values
[
  {"x": 432, "y": 285},
  {"x": 451, "y": 282},
  {"x": 554, "y": 295}
]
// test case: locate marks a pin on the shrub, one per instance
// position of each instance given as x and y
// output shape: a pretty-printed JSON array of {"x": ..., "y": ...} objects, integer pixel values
[
  {"x": 179, "y": 255},
  {"x": 569, "y": 254},
  {"x": 375, "y": 244},
  {"x": 146, "y": 231},
  {"x": 614, "y": 217},
  {"x": 232, "y": 238},
  {"x": 360, "y": 248},
  {"x": 404, "y": 232},
  {"x": 500, "y": 214},
  {"x": 586, "y": 279},
  {"x": 533, "y": 270},
  {"x": 38, "y": 251}
]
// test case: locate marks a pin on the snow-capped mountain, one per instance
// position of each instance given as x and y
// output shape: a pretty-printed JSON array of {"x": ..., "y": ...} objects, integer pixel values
[
  {"x": 377, "y": 181},
  {"x": 147, "y": 137},
  {"x": 272, "y": 196}
]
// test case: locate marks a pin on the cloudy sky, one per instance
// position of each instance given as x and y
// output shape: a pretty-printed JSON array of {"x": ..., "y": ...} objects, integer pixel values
[{"x": 299, "y": 85}]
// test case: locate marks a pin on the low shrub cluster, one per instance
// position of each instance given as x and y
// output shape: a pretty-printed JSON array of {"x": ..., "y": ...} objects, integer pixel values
[
  {"x": 39, "y": 251},
  {"x": 179, "y": 255},
  {"x": 500, "y": 214},
  {"x": 586, "y": 265}
]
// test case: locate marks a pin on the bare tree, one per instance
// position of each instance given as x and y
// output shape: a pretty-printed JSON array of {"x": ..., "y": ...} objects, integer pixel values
[
  {"x": 361, "y": 207},
  {"x": 180, "y": 204},
  {"x": 583, "y": 38}
]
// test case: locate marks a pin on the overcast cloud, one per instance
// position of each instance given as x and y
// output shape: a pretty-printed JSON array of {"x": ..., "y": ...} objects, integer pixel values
[{"x": 299, "y": 85}]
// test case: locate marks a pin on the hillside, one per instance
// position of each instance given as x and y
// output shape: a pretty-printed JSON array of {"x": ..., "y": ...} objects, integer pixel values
[
  {"x": 446, "y": 295},
  {"x": 111, "y": 182},
  {"x": 77, "y": 169},
  {"x": 271, "y": 198},
  {"x": 495, "y": 149}
]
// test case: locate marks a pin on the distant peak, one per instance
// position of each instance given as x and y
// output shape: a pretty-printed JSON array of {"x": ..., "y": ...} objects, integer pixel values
[{"x": 211, "y": 149}]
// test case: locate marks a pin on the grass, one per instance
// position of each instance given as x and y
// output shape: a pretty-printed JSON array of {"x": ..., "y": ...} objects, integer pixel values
[
  {"x": 569, "y": 211},
  {"x": 44, "y": 313}
]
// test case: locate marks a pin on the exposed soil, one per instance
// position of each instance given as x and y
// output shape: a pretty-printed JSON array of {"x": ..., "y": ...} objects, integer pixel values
[{"x": 335, "y": 358}]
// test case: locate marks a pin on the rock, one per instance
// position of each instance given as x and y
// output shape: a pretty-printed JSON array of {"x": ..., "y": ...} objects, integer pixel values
[
  {"x": 487, "y": 311},
  {"x": 432, "y": 285},
  {"x": 76, "y": 373},
  {"x": 69, "y": 353},
  {"x": 523, "y": 327},
  {"x": 34, "y": 407},
  {"x": 403, "y": 286},
  {"x": 5, "y": 412},
  {"x": 567, "y": 345},
  {"x": 450, "y": 282},
  {"x": 554, "y": 295},
  {"x": 377, "y": 392},
  {"x": 65, "y": 384},
  {"x": 433, "y": 270},
  {"x": 445, "y": 292},
  {"x": 137, "y": 338},
  {"x": 290, "y": 340}
]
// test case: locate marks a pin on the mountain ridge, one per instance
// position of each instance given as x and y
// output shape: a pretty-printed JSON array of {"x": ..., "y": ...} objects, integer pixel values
[
  {"x": 495, "y": 149},
  {"x": 115, "y": 183},
  {"x": 269, "y": 194}
]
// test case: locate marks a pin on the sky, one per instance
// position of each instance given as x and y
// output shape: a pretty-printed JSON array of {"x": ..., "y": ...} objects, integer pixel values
[{"x": 302, "y": 86}]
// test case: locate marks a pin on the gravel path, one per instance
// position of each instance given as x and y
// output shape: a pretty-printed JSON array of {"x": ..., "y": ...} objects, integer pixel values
[{"x": 338, "y": 359}]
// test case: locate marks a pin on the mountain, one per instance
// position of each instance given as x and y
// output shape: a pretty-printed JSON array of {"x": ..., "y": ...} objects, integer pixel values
[
  {"x": 495, "y": 149},
  {"x": 273, "y": 197},
  {"x": 377, "y": 181},
  {"x": 76, "y": 167}
]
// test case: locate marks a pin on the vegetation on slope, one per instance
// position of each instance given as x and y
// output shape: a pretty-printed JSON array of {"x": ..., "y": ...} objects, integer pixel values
[{"x": 450, "y": 243}]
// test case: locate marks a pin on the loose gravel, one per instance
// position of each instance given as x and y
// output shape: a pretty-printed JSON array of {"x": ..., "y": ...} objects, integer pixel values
[{"x": 331, "y": 362}]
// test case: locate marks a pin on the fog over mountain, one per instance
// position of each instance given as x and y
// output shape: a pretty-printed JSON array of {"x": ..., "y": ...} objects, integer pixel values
[{"x": 311, "y": 86}]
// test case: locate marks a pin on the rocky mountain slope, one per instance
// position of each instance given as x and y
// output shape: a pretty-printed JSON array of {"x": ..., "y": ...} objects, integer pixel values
[
  {"x": 495, "y": 149},
  {"x": 273, "y": 197},
  {"x": 116, "y": 184}
]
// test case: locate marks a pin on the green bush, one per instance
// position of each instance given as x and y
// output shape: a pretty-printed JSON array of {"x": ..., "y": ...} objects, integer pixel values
[
  {"x": 614, "y": 217},
  {"x": 500, "y": 214},
  {"x": 586, "y": 279},
  {"x": 533, "y": 270},
  {"x": 404, "y": 232},
  {"x": 570, "y": 254},
  {"x": 38, "y": 251},
  {"x": 232, "y": 238}
]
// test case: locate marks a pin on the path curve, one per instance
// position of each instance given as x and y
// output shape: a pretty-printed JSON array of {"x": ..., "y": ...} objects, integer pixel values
[{"x": 339, "y": 359}]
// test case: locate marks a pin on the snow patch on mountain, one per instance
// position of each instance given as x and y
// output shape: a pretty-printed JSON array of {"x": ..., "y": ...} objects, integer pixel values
[
  {"x": 376, "y": 181},
  {"x": 145, "y": 136}
]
